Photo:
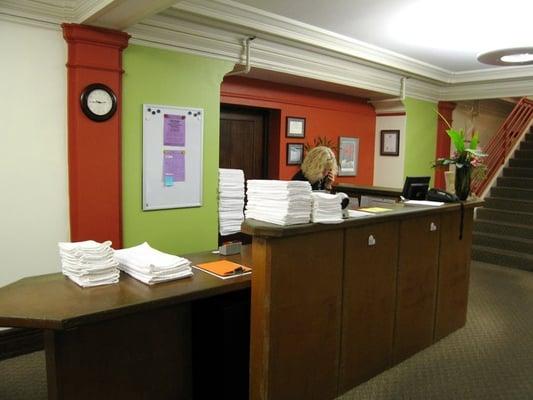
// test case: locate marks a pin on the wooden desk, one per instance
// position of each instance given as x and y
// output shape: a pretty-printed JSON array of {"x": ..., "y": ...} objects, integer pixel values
[
  {"x": 122, "y": 341},
  {"x": 334, "y": 305}
]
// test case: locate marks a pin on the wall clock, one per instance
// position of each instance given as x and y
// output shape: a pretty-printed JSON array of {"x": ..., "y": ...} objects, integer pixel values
[{"x": 98, "y": 102}]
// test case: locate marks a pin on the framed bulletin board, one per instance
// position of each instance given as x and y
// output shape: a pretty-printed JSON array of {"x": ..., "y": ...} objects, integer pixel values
[{"x": 172, "y": 157}]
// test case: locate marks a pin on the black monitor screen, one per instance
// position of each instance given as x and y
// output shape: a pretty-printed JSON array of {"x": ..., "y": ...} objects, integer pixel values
[{"x": 416, "y": 187}]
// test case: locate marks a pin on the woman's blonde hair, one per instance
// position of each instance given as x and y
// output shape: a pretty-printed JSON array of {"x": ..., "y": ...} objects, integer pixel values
[{"x": 316, "y": 161}]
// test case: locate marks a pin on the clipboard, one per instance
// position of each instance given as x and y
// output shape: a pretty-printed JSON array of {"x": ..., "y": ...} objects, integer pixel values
[{"x": 224, "y": 269}]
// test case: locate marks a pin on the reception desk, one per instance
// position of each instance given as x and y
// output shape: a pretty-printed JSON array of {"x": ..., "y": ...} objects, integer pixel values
[
  {"x": 334, "y": 305},
  {"x": 331, "y": 306}
]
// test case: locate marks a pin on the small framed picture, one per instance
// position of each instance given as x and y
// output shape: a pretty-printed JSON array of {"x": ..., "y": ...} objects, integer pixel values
[
  {"x": 295, "y": 153},
  {"x": 295, "y": 127},
  {"x": 348, "y": 156},
  {"x": 390, "y": 143}
]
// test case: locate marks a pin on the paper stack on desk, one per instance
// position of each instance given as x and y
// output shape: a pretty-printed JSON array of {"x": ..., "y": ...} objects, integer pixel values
[
  {"x": 279, "y": 202},
  {"x": 151, "y": 266},
  {"x": 89, "y": 263},
  {"x": 327, "y": 207},
  {"x": 230, "y": 200}
]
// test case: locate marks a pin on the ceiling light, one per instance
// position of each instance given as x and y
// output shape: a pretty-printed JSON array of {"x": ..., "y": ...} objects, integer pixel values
[{"x": 508, "y": 57}]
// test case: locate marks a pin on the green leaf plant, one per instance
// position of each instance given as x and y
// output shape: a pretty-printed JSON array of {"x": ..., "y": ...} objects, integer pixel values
[{"x": 466, "y": 152}]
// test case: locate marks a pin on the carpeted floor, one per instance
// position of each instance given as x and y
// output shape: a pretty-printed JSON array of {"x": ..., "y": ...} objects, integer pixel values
[{"x": 490, "y": 358}]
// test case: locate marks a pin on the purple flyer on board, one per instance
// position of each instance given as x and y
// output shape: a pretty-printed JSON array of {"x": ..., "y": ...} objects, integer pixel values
[
  {"x": 174, "y": 165},
  {"x": 174, "y": 130}
]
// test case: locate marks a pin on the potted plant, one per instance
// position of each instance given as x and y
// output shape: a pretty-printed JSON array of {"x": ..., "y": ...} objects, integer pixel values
[{"x": 467, "y": 159}]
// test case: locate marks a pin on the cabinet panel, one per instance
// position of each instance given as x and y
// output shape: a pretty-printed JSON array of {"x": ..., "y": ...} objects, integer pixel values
[
  {"x": 417, "y": 285},
  {"x": 454, "y": 272},
  {"x": 369, "y": 296},
  {"x": 296, "y": 315}
]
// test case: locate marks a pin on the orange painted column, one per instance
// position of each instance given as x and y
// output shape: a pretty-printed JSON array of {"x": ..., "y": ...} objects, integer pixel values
[
  {"x": 94, "y": 148},
  {"x": 443, "y": 140}
]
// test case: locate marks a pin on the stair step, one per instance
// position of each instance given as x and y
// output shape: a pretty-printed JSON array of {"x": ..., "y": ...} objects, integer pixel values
[
  {"x": 526, "y": 146},
  {"x": 521, "y": 162},
  {"x": 529, "y": 136},
  {"x": 524, "y": 154},
  {"x": 516, "y": 171},
  {"x": 523, "y": 182},
  {"x": 502, "y": 257},
  {"x": 503, "y": 203},
  {"x": 511, "y": 243},
  {"x": 503, "y": 228},
  {"x": 513, "y": 217},
  {"x": 512, "y": 192}
]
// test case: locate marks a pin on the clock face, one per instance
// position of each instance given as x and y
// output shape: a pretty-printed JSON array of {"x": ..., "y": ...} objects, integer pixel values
[{"x": 98, "y": 102}]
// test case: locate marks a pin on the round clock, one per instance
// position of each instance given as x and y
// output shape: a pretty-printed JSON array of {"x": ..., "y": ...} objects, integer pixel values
[{"x": 98, "y": 102}]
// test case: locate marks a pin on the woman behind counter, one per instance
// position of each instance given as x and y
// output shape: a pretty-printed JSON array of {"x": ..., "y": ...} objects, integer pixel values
[{"x": 319, "y": 168}]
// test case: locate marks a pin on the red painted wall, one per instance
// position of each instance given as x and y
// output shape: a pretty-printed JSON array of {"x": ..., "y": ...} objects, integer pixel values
[{"x": 326, "y": 114}]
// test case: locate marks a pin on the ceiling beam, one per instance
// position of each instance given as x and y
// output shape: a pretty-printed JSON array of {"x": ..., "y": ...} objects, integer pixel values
[{"x": 121, "y": 14}]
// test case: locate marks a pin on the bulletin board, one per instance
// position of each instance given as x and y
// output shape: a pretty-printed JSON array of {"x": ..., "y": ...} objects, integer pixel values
[{"x": 172, "y": 157}]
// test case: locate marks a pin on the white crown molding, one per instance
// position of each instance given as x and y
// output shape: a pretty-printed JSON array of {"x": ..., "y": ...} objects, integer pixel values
[
  {"x": 30, "y": 21},
  {"x": 493, "y": 74},
  {"x": 488, "y": 90},
  {"x": 260, "y": 22},
  {"x": 193, "y": 37},
  {"x": 48, "y": 12},
  {"x": 84, "y": 9}
]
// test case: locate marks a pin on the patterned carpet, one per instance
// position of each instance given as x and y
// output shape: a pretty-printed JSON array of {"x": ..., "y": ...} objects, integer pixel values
[{"x": 490, "y": 358}]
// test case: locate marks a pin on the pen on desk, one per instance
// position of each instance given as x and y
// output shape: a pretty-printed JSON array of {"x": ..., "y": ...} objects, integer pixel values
[{"x": 238, "y": 270}]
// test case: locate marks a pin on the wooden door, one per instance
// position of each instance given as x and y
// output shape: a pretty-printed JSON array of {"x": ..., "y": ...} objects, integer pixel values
[
  {"x": 417, "y": 285},
  {"x": 369, "y": 300},
  {"x": 243, "y": 141},
  {"x": 296, "y": 316},
  {"x": 454, "y": 272}
]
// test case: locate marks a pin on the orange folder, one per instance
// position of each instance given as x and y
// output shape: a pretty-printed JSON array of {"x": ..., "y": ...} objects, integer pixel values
[{"x": 224, "y": 268}]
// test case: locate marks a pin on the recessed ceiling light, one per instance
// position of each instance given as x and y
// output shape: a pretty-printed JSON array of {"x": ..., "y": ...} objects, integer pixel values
[{"x": 508, "y": 57}]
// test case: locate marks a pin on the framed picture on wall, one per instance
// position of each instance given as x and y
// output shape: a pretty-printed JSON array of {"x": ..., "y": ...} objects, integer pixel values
[
  {"x": 348, "y": 156},
  {"x": 295, "y": 153},
  {"x": 390, "y": 143},
  {"x": 295, "y": 127}
]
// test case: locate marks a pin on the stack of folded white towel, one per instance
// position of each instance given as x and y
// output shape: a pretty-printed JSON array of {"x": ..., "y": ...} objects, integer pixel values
[
  {"x": 279, "y": 202},
  {"x": 89, "y": 263},
  {"x": 230, "y": 200},
  {"x": 327, "y": 207},
  {"x": 152, "y": 266}
]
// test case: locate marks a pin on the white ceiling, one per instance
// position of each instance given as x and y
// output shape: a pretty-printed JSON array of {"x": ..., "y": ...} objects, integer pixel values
[{"x": 446, "y": 34}]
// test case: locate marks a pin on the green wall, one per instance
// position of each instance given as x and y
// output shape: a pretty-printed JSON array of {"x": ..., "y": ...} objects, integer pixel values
[
  {"x": 421, "y": 138},
  {"x": 169, "y": 78}
]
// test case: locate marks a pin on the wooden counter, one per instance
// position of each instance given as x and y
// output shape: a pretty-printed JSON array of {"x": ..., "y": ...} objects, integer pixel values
[
  {"x": 335, "y": 304},
  {"x": 331, "y": 306},
  {"x": 134, "y": 341}
]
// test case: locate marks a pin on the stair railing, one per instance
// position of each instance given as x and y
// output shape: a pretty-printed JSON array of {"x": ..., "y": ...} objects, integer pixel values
[{"x": 502, "y": 143}]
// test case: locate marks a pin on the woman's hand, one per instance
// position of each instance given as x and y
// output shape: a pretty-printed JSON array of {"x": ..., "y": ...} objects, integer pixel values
[{"x": 329, "y": 179}]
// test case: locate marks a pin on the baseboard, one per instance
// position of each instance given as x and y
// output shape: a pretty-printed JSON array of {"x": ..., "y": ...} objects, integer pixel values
[{"x": 17, "y": 341}]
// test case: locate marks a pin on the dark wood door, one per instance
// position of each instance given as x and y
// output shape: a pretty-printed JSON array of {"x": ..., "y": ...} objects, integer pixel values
[
  {"x": 454, "y": 272},
  {"x": 242, "y": 141},
  {"x": 369, "y": 300},
  {"x": 417, "y": 285}
]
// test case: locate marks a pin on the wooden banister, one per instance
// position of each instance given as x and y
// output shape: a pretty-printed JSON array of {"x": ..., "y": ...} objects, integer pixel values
[{"x": 503, "y": 142}]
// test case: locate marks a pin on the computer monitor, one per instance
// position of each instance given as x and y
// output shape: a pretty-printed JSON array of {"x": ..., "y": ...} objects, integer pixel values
[{"x": 416, "y": 187}]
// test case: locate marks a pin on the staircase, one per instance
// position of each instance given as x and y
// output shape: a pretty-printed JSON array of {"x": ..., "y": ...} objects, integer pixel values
[{"x": 503, "y": 229}]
